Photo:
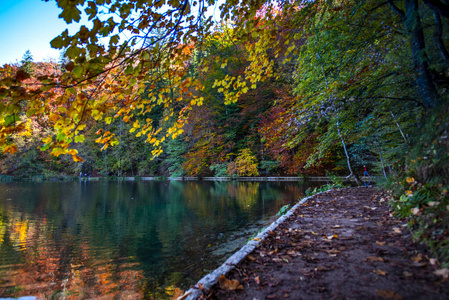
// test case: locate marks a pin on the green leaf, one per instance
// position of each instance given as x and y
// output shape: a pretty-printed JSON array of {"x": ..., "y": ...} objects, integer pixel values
[
  {"x": 73, "y": 52},
  {"x": 57, "y": 42},
  {"x": 79, "y": 138},
  {"x": 114, "y": 39},
  {"x": 78, "y": 71},
  {"x": 70, "y": 13},
  {"x": 61, "y": 136},
  {"x": 45, "y": 147},
  {"x": 129, "y": 70},
  {"x": 11, "y": 119},
  {"x": 91, "y": 10}
]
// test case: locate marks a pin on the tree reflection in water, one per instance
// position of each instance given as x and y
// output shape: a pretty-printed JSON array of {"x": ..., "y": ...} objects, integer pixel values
[{"x": 125, "y": 239}]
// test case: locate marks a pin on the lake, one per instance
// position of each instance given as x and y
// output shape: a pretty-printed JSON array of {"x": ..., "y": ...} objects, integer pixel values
[{"x": 147, "y": 239}]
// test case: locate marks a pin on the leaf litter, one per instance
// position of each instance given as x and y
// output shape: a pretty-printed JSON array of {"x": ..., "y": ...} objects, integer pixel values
[{"x": 338, "y": 249}]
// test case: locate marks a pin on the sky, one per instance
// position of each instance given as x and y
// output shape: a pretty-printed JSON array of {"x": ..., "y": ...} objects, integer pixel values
[{"x": 29, "y": 25}]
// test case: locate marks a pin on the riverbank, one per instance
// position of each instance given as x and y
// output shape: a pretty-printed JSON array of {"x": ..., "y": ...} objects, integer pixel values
[
  {"x": 342, "y": 243},
  {"x": 7, "y": 178}
]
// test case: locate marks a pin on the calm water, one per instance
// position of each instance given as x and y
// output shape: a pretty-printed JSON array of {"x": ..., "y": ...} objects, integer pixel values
[{"x": 126, "y": 239}]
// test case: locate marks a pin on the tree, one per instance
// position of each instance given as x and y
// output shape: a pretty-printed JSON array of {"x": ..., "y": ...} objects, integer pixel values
[{"x": 26, "y": 63}]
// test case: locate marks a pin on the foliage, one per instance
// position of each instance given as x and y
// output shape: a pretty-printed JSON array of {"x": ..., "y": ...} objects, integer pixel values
[
  {"x": 245, "y": 164},
  {"x": 269, "y": 166},
  {"x": 421, "y": 191},
  {"x": 316, "y": 190},
  {"x": 283, "y": 210},
  {"x": 220, "y": 170}
]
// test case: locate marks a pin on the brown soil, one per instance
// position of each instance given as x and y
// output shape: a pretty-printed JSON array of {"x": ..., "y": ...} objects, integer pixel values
[{"x": 341, "y": 244}]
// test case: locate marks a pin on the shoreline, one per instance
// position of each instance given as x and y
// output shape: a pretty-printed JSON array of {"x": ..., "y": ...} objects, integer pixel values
[
  {"x": 209, "y": 280},
  {"x": 8, "y": 178}
]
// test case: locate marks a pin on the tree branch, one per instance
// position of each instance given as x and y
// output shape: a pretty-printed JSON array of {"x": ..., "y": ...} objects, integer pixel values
[
  {"x": 396, "y": 9},
  {"x": 438, "y": 6}
]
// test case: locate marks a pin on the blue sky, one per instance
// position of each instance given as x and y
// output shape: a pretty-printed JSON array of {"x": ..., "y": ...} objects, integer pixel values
[{"x": 29, "y": 24}]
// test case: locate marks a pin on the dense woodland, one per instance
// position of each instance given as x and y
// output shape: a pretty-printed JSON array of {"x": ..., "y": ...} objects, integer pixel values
[{"x": 297, "y": 88}]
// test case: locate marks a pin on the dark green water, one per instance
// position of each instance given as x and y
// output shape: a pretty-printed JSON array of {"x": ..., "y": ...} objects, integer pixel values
[{"x": 126, "y": 239}]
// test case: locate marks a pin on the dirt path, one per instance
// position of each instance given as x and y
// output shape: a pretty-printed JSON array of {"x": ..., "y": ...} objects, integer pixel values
[{"x": 342, "y": 244}]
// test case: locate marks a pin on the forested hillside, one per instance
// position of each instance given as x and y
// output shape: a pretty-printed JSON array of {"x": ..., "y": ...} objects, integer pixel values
[{"x": 296, "y": 88}]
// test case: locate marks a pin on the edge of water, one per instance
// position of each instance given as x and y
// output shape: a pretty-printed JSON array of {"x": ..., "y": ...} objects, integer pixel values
[{"x": 212, "y": 278}]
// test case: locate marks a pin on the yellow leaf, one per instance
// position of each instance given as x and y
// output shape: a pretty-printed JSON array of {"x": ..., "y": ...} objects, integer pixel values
[
  {"x": 61, "y": 109},
  {"x": 73, "y": 152},
  {"x": 47, "y": 140},
  {"x": 81, "y": 127},
  {"x": 57, "y": 151}
]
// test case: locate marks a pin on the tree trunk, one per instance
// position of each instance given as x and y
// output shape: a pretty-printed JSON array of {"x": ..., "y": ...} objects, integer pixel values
[
  {"x": 424, "y": 81},
  {"x": 381, "y": 158},
  {"x": 439, "y": 38},
  {"x": 399, "y": 127},
  {"x": 352, "y": 174}
]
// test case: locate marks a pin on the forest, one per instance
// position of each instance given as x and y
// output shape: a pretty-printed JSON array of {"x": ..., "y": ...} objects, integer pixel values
[{"x": 275, "y": 88}]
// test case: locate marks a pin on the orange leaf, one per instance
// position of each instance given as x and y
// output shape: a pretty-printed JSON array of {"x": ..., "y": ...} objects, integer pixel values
[
  {"x": 11, "y": 149},
  {"x": 77, "y": 158},
  {"x": 389, "y": 294},
  {"x": 374, "y": 258},
  {"x": 73, "y": 152},
  {"x": 229, "y": 285},
  {"x": 380, "y": 272}
]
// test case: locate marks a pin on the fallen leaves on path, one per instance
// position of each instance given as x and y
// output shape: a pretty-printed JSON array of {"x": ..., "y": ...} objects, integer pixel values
[{"x": 372, "y": 256}]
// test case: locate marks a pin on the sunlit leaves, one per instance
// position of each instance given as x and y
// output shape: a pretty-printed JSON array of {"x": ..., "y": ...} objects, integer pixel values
[
  {"x": 79, "y": 138},
  {"x": 10, "y": 149},
  {"x": 244, "y": 165}
]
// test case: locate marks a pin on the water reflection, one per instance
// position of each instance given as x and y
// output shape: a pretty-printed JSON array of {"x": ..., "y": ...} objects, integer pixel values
[{"x": 126, "y": 239}]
